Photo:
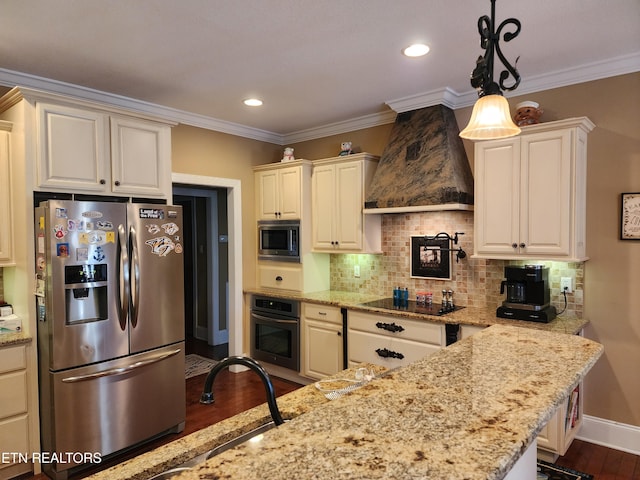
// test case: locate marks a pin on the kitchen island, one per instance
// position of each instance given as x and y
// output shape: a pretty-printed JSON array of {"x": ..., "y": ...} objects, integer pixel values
[{"x": 468, "y": 411}]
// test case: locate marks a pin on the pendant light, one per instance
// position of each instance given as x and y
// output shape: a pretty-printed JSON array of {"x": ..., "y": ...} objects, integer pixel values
[{"x": 491, "y": 118}]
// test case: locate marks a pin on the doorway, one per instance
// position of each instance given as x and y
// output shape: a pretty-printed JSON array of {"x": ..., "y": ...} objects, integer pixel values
[{"x": 206, "y": 256}]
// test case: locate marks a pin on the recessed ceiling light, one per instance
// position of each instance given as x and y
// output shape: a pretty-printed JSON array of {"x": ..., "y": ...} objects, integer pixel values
[
  {"x": 416, "y": 50},
  {"x": 253, "y": 102}
]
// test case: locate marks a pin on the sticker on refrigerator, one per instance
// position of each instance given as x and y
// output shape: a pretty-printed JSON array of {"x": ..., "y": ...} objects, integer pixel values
[
  {"x": 161, "y": 246},
  {"x": 41, "y": 263},
  {"x": 151, "y": 213},
  {"x": 59, "y": 231},
  {"x": 152, "y": 228},
  {"x": 75, "y": 225},
  {"x": 170, "y": 228},
  {"x": 104, "y": 225},
  {"x": 98, "y": 254},
  {"x": 61, "y": 213},
  {"x": 62, "y": 249},
  {"x": 82, "y": 254},
  {"x": 92, "y": 214}
]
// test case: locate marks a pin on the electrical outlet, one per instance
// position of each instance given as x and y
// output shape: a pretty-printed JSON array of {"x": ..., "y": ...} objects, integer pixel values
[
  {"x": 356, "y": 271},
  {"x": 566, "y": 284}
]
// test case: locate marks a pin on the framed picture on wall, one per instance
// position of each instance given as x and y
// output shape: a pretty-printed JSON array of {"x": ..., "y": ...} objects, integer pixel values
[
  {"x": 630, "y": 217},
  {"x": 430, "y": 258}
]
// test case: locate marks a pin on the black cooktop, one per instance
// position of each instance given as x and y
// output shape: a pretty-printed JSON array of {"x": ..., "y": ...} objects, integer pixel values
[{"x": 412, "y": 306}]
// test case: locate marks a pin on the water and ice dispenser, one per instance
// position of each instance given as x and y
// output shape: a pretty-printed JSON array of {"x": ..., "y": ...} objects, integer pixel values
[{"x": 85, "y": 293}]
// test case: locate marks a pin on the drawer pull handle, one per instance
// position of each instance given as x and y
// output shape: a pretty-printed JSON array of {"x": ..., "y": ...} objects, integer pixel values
[
  {"x": 385, "y": 353},
  {"x": 390, "y": 327},
  {"x": 278, "y": 278},
  {"x": 322, "y": 313}
]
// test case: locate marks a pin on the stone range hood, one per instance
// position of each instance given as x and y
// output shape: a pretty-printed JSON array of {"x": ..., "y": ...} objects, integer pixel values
[{"x": 424, "y": 167}]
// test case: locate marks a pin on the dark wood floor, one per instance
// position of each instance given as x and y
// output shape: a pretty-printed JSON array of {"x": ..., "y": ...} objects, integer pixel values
[{"x": 238, "y": 392}]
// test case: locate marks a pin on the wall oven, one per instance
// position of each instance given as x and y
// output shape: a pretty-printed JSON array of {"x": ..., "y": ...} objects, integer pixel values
[
  {"x": 275, "y": 331},
  {"x": 279, "y": 240}
]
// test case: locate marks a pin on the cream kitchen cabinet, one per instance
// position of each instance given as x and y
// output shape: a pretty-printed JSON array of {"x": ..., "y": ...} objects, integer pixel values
[
  {"x": 322, "y": 340},
  {"x": 391, "y": 341},
  {"x": 338, "y": 190},
  {"x": 530, "y": 193},
  {"x": 556, "y": 436},
  {"x": 14, "y": 418},
  {"x": 280, "y": 189},
  {"x": 6, "y": 212},
  {"x": 85, "y": 150}
]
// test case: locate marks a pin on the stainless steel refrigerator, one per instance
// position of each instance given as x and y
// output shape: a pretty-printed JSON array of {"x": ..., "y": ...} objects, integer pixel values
[{"x": 109, "y": 296}]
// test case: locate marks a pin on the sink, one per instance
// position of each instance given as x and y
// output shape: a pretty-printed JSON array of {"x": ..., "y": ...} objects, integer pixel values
[{"x": 254, "y": 435}]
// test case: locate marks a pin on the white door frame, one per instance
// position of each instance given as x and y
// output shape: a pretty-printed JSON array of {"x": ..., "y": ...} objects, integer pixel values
[{"x": 234, "y": 212}]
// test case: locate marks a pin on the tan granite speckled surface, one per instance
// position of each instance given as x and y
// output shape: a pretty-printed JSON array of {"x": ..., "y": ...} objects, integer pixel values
[
  {"x": 467, "y": 316},
  {"x": 14, "y": 338},
  {"x": 468, "y": 411}
]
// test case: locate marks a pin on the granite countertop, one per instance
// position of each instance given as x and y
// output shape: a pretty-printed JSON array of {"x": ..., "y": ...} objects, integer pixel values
[
  {"x": 482, "y": 317},
  {"x": 14, "y": 338},
  {"x": 467, "y": 411}
]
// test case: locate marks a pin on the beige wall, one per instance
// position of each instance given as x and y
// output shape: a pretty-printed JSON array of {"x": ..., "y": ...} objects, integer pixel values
[
  {"x": 611, "y": 276},
  {"x": 198, "y": 151}
]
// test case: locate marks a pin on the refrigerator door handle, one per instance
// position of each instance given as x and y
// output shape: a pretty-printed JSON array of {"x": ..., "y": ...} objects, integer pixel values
[
  {"x": 121, "y": 370},
  {"x": 135, "y": 281},
  {"x": 122, "y": 291}
]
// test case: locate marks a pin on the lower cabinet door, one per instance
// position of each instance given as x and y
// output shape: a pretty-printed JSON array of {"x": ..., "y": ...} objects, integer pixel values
[{"x": 322, "y": 349}]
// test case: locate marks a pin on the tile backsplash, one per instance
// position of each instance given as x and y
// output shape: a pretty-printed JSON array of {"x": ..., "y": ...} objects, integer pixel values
[{"x": 475, "y": 282}]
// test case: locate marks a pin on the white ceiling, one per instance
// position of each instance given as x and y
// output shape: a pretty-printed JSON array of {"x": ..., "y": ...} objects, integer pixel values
[{"x": 313, "y": 62}]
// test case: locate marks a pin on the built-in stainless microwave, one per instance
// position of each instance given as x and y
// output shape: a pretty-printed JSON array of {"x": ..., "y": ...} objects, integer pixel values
[{"x": 279, "y": 240}]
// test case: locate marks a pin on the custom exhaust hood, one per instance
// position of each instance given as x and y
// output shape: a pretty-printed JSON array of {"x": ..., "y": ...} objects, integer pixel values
[{"x": 424, "y": 167}]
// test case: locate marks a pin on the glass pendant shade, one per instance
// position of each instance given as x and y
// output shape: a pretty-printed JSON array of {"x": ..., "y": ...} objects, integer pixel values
[{"x": 490, "y": 119}]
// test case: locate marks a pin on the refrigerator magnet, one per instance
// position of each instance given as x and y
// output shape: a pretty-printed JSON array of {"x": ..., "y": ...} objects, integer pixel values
[{"x": 62, "y": 250}]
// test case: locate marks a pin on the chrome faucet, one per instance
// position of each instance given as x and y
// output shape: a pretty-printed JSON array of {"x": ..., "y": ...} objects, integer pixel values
[{"x": 207, "y": 394}]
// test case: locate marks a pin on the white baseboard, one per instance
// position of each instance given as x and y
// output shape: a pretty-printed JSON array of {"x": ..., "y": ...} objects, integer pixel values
[{"x": 608, "y": 433}]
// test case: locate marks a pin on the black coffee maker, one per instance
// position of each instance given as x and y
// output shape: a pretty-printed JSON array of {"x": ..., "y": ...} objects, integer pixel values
[{"x": 528, "y": 296}]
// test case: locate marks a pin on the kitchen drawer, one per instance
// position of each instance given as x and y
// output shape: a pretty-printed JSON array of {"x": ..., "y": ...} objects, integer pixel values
[
  {"x": 324, "y": 313},
  {"x": 363, "y": 345},
  {"x": 280, "y": 277},
  {"x": 13, "y": 358},
  {"x": 14, "y": 435},
  {"x": 418, "y": 330},
  {"x": 13, "y": 393}
]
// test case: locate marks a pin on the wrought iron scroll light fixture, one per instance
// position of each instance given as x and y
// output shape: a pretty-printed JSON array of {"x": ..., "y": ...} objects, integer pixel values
[{"x": 491, "y": 118}]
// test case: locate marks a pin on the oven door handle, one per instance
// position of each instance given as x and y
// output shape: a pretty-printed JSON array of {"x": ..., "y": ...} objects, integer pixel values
[{"x": 272, "y": 319}]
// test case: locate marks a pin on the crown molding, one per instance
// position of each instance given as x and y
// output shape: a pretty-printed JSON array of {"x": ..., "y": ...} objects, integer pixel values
[
  {"x": 358, "y": 123},
  {"x": 445, "y": 96},
  {"x": 11, "y": 78}
]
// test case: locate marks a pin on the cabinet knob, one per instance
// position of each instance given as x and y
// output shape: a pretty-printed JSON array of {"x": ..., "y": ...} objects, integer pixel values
[
  {"x": 522, "y": 245},
  {"x": 339, "y": 334},
  {"x": 514, "y": 245},
  {"x": 278, "y": 278},
  {"x": 102, "y": 181},
  {"x": 117, "y": 183}
]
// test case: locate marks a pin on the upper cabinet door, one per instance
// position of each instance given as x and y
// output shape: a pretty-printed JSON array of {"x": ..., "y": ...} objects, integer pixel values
[
  {"x": 290, "y": 193},
  {"x": 279, "y": 193},
  {"x": 497, "y": 194},
  {"x": 6, "y": 212},
  {"x": 349, "y": 198},
  {"x": 140, "y": 156},
  {"x": 545, "y": 204},
  {"x": 72, "y": 148}
]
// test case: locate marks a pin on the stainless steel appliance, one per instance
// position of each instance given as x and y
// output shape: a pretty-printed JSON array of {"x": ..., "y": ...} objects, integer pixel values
[
  {"x": 527, "y": 294},
  {"x": 279, "y": 240},
  {"x": 110, "y": 309},
  {"x": 275, "y": 331}
]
